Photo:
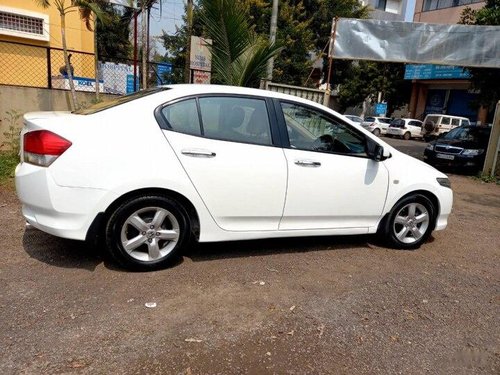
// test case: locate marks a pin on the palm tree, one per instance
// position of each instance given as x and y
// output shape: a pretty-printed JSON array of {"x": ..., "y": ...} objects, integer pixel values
[
  {"x": 239, "y": 56},
  {"x": 93, "y": 11},
  {"x": 86, "y": 8}
]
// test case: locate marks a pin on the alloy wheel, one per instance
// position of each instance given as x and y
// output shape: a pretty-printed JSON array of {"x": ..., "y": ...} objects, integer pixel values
[
  {"x": 411, "y": 223},
  {"x": 150, "y": 234}
]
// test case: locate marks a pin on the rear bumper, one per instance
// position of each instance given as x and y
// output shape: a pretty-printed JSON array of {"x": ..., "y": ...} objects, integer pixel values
[{"x": 65, "y": 212}]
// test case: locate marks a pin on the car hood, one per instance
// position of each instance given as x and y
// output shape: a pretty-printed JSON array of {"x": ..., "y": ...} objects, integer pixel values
[{"x": 458, "y": 143}]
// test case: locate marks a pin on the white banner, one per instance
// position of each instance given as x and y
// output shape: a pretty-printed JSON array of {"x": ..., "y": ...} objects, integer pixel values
[
  {"x": 200, "y": 57},
  {"x": 419, "y": 43}
]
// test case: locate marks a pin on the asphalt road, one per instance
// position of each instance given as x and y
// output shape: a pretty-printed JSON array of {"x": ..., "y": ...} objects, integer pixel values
[
  {"x": 331, "y": 305},
  {"x": 411, "y": 147}
]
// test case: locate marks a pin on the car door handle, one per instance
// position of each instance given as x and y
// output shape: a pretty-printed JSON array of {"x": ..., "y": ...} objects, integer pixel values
[
  {"x": 308, "y": 163},
  {"x": 198, "y": 153}
]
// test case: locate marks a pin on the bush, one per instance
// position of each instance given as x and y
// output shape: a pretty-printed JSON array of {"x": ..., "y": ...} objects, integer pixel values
[{"x": 9, "y": 156}]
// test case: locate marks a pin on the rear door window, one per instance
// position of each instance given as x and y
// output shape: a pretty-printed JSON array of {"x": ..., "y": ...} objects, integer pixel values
[
  {"x": 183, "y": 117},
  {"x": 236, "y": 119},
  {"x": 455, "y": 122}
]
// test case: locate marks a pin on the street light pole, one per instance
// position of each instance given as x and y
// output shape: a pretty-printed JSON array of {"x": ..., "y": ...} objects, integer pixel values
[{"x": 272, "y": 39}]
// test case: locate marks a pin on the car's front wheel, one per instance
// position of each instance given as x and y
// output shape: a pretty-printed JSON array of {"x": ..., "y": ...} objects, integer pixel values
[
  {"x": 410, "y": 222},
  {"x": 407, "y": 136},
  {"x": 147, "y": 233},
  {"x": 376, "y": 132}
]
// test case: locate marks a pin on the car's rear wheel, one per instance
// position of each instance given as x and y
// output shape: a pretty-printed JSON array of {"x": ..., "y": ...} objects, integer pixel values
[
  {"x": 147, "y": 233},
  {"x": 410, "y": 222},
  {"x": 376, "y": 132},
  {"x": 407, "y": 136}
]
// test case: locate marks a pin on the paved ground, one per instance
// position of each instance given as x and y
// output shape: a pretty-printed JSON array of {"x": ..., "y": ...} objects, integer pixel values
[{"x": 317, "y": 306}]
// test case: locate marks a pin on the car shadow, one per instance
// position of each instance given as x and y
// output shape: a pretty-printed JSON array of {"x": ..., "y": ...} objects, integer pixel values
[
  {"x": 60, "y": 252},
  {"x": 64, "y": 253},
  {"x": 200, "y": 252}
]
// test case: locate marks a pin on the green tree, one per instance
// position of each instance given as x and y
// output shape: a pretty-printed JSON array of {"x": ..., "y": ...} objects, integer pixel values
[
  {"x": 485, "y": 80},
  {"x": 64, "y": 7},
  {"x": 239, "y": 55},
  {"x": 113, "y": 37},
  {"x": 176, "y": 47},
  {"x": 368, "y": 78},
  {"x": 294, "y": 33}
]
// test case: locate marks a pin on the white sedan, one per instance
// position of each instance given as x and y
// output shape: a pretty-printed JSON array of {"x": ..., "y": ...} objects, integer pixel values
[{"x": 148, "y": 172}]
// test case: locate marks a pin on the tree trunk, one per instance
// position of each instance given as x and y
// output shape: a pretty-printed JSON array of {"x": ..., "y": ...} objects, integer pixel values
[
  {"x": 96, "y": 62},
  {"x": 74, "y": 100}
]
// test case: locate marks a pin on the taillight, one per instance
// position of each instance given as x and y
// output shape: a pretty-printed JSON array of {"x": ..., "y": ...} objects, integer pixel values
[{"x": 42, "y": 147}]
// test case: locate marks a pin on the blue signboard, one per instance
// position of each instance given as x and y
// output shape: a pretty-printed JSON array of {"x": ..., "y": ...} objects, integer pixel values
[
  {"x": 381, "y": 108},
  {"x": 130, "y": 83},
  {"x": 429, "y": 71},
  {"x": 164, "y": 68}
]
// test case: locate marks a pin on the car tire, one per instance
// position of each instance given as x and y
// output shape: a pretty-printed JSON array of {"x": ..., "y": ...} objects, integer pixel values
[
  {"x": 376, "y": 132},
  {"x": 147, "y": 233},
  {"x": 407, "y": 136},
  {"x": 410, "y": 222}
]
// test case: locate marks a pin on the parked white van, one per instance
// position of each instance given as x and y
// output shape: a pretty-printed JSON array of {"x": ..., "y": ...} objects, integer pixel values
[{"x": 437, "y": 124}]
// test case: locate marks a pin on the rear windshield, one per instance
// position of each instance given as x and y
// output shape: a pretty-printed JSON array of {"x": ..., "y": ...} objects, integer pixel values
[
  {"x": 384, "y": 120},
  {"x": 101, "y": 106},
  {"x": 369, "y": 119}
]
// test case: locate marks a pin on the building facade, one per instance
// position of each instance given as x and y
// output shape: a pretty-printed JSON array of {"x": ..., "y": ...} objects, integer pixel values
[
  {"x": 433, "y": 93},
  {"x": 387, "y": 10},
  {"x": 31, "y": 43}
]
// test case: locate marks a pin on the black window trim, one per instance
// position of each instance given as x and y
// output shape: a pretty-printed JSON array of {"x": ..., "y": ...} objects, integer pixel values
[
  {"x": 276, "y": 138},
  {"x": 284, "y": 133}
]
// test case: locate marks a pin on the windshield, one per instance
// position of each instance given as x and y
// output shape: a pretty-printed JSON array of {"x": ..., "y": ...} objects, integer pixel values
[
  {"x": 384, "y": 120},
  {"x": 101, "y": 106},
  {"x": 468, "y": 134}
]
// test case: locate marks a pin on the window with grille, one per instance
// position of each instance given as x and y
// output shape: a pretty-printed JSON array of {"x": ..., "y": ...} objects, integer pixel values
[{"x": 23, "y": 24}]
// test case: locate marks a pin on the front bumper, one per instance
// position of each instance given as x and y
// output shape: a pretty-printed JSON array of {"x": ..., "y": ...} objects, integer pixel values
[
  {"x": 444, "y": 160},
  {"x": 61, "y": 211}
]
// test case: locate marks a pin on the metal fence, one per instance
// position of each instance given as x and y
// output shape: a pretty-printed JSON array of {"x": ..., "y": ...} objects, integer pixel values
[{"x": 44, "y": 67}]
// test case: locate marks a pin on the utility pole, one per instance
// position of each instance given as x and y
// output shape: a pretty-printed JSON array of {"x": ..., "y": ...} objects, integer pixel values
[
  {"x": 144, "y": 43},
  {"x": 272, "y": 39},
  {"x": 189, "y": 16}
]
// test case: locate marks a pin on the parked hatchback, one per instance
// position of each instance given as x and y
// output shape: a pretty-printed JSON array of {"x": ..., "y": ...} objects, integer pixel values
[
  {"x": 376, "y": 125},
  {"x": 149, "y": 172},
  {"x": 463, "y": 148},
  {"x": 405, "y": 128}
]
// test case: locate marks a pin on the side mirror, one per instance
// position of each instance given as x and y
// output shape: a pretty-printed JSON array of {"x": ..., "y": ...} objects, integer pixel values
[
  {"x": 376, "y": 151},
  {"x": 378, "y": 154}
]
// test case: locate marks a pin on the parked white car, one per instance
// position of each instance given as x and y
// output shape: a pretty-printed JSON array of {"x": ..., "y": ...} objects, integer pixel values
[
  {"x": 405, "y": 128},
  {"x": 437, "y": 124},
  {"x": 147, "y": 172},
  {"x": 376, "y": 125},
  {"x": 355, "y": 119}
]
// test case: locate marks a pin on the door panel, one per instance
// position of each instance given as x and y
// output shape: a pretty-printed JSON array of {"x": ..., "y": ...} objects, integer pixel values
[
  {"x": 331, "y": 181},
  {"x": 242, "y": 185},
  {"x": 341, "y": 192},
  {"x": 239, "y": 174}
]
